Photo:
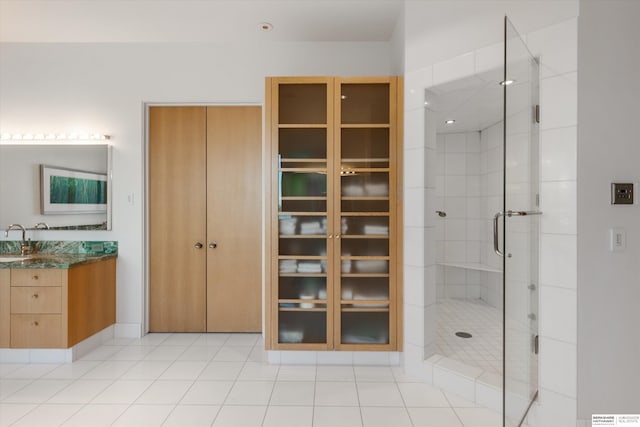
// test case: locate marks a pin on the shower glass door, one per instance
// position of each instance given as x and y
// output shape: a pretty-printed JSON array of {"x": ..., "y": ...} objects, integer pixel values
[{"x": 521, "y": 219}]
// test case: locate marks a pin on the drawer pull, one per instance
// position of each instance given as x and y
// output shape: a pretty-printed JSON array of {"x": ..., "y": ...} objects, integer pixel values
[
  {"x": 35, "y": 277},
  {"x": 35, "y": 323},
  {"x": 35, "y": 295}
]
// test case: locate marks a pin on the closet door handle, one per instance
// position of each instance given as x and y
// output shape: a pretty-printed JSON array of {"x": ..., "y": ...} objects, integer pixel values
[
  {"x": 198, "y": 245},
  {"x": 213, "y": 245}
]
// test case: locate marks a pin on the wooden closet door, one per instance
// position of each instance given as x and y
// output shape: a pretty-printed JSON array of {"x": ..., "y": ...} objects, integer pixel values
[
  {"x": 234, "y": 177},
  {"x": 177, "y": 219}
]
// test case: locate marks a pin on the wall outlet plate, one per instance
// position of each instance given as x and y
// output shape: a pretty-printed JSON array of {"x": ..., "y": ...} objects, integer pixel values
[{"x": 622, "y": 193}]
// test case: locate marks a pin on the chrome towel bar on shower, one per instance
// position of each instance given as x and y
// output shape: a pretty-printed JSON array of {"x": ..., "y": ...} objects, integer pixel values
[{"x": 509, "y": 214}]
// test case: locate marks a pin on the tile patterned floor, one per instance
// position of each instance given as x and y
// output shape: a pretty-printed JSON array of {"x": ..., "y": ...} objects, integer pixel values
[
  {"x": 220, "y": 380},
  {"x": 483, "y": 322}
]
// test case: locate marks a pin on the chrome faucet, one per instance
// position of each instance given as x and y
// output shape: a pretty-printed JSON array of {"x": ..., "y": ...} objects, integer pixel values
[{"x": 25, "y": 246}]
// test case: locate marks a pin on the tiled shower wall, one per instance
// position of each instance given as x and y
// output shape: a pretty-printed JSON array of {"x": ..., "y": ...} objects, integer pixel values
[
  {"x": 556, "y": 46},
  {"x": 469, "y": 190}
]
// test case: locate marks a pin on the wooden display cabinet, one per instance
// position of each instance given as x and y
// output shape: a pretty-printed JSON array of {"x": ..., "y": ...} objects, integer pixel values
[{"x": 335, "y": 215}]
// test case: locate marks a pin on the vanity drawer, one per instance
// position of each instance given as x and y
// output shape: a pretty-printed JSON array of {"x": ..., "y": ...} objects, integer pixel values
[
  {"x": 36, "y": 299},
  {"x": 37, "y": 276},
  {"x": 36, "y": 331}
]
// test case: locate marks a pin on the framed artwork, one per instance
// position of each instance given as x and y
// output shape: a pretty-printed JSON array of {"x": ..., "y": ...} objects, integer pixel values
[{"x": 70, "y": 191}]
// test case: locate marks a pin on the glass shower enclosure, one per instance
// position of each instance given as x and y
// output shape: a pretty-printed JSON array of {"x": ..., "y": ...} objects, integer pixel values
[{"x": 520, "y": 217}]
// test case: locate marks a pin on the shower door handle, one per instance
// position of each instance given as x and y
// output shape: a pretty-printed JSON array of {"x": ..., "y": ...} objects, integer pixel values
[
  {"x": 497, "y": 216},
  {"x": 496, "y": 248}
]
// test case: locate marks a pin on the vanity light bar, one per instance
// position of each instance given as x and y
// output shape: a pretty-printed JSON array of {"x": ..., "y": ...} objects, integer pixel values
[{"x": 53, "y": 137}]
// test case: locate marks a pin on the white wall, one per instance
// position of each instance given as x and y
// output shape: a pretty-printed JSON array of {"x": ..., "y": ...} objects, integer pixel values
[
  {"x": 102, "y": 88},
  {"x": 608, "y": 151}
]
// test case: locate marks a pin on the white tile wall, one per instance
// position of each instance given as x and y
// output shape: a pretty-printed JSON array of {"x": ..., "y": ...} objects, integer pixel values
[{"x": 556, "y": 46}]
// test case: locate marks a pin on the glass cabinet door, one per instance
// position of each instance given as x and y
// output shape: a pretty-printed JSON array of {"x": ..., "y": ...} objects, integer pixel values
[
  {"x": 364, "y": 190},
  {"x": 302, "y": 186}
]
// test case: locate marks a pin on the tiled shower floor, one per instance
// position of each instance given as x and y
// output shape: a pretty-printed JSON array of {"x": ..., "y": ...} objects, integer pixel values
[{"x": 483, "y": 322}]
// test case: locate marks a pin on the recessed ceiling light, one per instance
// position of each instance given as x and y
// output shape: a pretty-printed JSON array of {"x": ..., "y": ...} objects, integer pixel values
[
  {"x": 450, "y": 122},
  {"x": 266, "y": 26},
  {"x": 507, "y": 82}
]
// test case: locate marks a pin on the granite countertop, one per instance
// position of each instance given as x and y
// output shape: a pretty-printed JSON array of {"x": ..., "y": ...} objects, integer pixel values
[
  {"x": 56, "y": 254},
  {"x": 51, "y": 260}
]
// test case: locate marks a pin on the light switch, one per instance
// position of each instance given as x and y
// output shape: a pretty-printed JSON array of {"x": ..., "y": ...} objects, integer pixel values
[
  {"x": 618, "y": 240},
  {"x": 622, "y": 193}
]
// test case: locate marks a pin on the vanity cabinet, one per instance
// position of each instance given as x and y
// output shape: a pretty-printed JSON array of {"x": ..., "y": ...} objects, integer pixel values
[
  {"x": 335, "y": 214},
  {"x": 56, "y": 307}
]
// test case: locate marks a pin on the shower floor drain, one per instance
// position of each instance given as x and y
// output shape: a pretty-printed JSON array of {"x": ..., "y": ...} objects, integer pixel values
[{"x": 463, "y": 334}]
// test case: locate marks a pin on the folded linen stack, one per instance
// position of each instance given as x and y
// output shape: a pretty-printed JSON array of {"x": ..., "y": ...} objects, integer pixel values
[
  {"x": 346, "y": 266},
  {"x": 309, "y": 267},
  {"x": 379, "y": 190},
  {"x": 288, "y": 266},
  {"x": 352, "y": 190},
  {"x": 345, "y": 225},
  {"x": 313, "y": 227},
  {"x": 376, "y": 229},
  {"x": 288, "y": 226}
]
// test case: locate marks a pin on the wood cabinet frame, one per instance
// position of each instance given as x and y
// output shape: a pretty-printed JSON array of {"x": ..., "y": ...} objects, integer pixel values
[{"x": 333, "y": 181}]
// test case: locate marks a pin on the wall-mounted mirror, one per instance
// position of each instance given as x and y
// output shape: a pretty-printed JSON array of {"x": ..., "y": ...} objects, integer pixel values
[{"x": 21, "y": 185}]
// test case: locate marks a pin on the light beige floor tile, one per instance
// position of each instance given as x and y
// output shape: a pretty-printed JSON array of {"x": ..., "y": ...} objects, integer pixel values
[
  {"x": 207, "y": 393},
  {"x": 385, "y": 417},
  {"x": 38, "y": 391},
  {"x": 122, "y": 392},
  {"x": 479, "y": 417},
  {"x": 434, "y": 417},
  {"x": 182, "y": 370},
  {"x": 379, "y": 394},
  {"x": 164, "y": 393},
  {"x": 288, "y": 416},
  {"x": 293, "y": 393},
  {"x": 336, "y": 394},
  {"x": 192, "y": 416},
  {"x": 12, "y": 412},
  {"x": 47, "y": 415},
  {"x": 333, "y": 416},
  {"x": 80, "y": 391},
  {"x": 96, "y": 416},
  {"x": 236, "y": 416},
  {"x": 422, "y": 395},
  {"x": 250, "y": 393},
  {"x": 144, "y": 416},
  {"x": 221, "y": 371}
]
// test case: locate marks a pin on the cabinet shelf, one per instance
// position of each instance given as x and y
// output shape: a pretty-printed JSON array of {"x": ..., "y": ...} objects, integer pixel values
[
  {"x": 364, "y": 275},
  {"x": 322, "y": 171},
  {"x": 364, "y": 236},
  {"x": 302, "y": 274},
  {"x": 314, "y": 309},
  {"x": 365, "y": 160},
  {"x": 304, "y": 198},
  {"x": 303, "y": 236},
  {"x": 302, "y": 126},
  {"x": 302, "y": 160},
  {"x": 365, "y": 213},
  {"x": 364, "y": 310},
  {"x": 365, "y": 126},
  {"x": 365, "y": 198},
  {"x": 306, "y": 213}
]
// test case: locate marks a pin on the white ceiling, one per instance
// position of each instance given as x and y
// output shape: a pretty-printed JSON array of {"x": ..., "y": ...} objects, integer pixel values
[{"x": 197, "y": 20}]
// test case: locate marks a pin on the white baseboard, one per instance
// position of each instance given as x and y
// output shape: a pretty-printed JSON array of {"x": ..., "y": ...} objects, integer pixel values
[{"x": 128, "y": 330}]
